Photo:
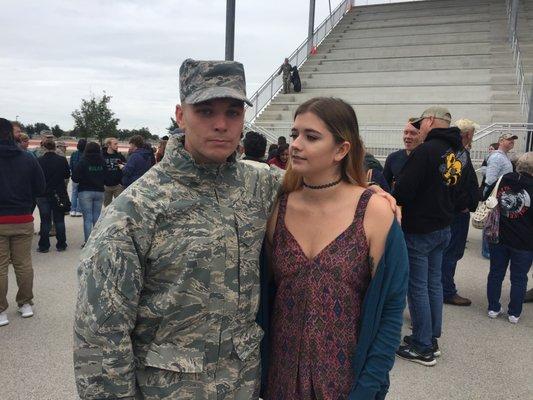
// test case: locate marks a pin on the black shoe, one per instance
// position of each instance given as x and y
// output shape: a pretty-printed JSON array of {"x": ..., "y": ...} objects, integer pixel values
[
  {"x": 39, "y": 250},
  {"x": 529, "y": 296},
  {"x": 457, "y": 300},
  {"x": 434, "y": 345},
  {"x": 409, "y": 353},
  {"x": 62, "y": 248}
]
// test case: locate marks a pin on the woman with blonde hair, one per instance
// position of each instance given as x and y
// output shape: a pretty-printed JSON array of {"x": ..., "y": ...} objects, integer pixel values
[{"x": 338, "y": 267}]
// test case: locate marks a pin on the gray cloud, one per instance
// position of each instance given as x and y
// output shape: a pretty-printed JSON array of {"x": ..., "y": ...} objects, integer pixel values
[{"x": 54, "y": 53}]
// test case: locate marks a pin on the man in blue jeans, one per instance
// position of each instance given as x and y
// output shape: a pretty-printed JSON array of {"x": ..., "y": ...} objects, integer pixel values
[
  {"x": 466, "y": 200},
  {"x": 426, "y": 189}
]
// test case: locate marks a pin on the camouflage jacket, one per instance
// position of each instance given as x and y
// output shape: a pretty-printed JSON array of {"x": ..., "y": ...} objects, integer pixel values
[
  {"x": 286, "y": 70},
  {"x": 169, "y": 280}
]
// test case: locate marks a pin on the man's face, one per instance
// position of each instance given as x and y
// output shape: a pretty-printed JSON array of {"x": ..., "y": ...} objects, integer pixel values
[
  {"x": 467, "y": 136},
  {"x": 132, "y": 148},
  {"x": 24, "y": 143},
  {"x": 212, "y": 128},
  {"x": 16, "y": 133},
  {"x": 506, "y": 145},
  {"x": 426, "y": 125},
  {"x": 113, "y": 145},
  {"x": 411, "y": 137}
]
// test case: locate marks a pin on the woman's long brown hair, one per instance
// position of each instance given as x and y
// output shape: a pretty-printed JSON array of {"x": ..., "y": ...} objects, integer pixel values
[{"x": 340, "y": 119}]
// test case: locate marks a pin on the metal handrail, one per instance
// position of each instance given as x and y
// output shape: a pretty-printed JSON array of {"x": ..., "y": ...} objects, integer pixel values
[
  {"x": 512, "y": 18},
  {"x": 266, "y": 92}
]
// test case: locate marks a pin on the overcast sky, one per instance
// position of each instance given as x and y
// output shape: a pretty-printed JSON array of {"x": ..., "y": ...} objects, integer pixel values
[{"x": 53, "y": 53}]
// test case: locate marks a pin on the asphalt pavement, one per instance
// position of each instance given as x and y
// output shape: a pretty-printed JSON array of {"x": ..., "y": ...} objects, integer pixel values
[{"x": 481, "y": 358}]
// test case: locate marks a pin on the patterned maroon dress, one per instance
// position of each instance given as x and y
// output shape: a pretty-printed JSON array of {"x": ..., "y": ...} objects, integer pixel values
[{"x": 317, "y": 312}]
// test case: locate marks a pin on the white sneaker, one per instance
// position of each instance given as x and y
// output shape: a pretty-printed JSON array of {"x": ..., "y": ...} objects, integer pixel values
[
  {"x": 513, "y": 319},
  {"x": 494, "y": 314},
  {"x": 3, "y": 319},
  {"x": 73, "y": 213},
  {"x": 78, "y": 214},
  {"x": 26, "y": 311}
]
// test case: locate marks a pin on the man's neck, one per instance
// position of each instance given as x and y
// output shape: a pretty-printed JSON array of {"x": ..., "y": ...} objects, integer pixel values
[{"x": 110, "y": 151}]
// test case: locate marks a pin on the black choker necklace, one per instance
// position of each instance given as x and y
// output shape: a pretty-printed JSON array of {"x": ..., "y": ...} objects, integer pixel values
[{"x": 327, "y": 185}]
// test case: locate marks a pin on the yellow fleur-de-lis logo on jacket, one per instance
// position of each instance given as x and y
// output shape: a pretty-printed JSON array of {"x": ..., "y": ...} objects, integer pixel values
[{"x": 452, "y": 169}]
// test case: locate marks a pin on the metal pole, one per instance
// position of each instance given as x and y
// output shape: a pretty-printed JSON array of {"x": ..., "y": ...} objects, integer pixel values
[
  {"x": 311, "y": 26},
  {"x": 329, "y": 2},
  {"x": 529, "y": 137},
  {"x": 230, "y": 29}
]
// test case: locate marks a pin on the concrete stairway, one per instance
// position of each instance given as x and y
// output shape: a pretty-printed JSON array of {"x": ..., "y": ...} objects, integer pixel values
[{"x": 392, "y": 61}]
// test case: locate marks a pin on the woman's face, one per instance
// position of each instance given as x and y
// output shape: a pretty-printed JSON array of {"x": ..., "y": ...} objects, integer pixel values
[{"x": 313, "y": 149}]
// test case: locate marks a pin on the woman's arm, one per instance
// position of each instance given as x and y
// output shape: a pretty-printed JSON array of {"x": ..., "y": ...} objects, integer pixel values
[{"x": 377, "y": 222}]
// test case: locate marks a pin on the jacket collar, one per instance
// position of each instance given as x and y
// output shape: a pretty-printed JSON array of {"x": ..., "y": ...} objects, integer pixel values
[{"x": 179, "y": 164}]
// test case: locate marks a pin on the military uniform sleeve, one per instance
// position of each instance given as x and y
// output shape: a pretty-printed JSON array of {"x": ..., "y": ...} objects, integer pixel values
[{"x": 110, "y": 281}]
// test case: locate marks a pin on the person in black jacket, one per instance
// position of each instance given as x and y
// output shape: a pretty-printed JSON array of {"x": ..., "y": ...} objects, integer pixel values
[
  {"x": 295, "y": 79},
  {"x": 21, "y": 181},
  {"x": 90, "y": 174},
  {"x": 56, "y": 170},
  {"x": 139, "y": 161},
  {"x": 426, "y": 190},
  {"x": 514, "y": 249},
  {"x": 467, "y": 198},
  {"x": 114, "y": 162}
]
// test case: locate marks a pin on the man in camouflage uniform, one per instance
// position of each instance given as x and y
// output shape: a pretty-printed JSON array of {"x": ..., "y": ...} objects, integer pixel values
[
  {"x": 169, "y": 279},
  {"x": 286, "y": 69}
]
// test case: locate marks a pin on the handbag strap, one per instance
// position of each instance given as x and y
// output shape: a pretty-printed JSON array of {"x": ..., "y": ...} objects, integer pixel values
[{"x": 494, "y": 192}]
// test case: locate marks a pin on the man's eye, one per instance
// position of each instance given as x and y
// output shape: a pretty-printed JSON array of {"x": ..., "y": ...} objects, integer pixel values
[
  {"x": 204, "y": 111},
  {"x": 234, "y": 113}
]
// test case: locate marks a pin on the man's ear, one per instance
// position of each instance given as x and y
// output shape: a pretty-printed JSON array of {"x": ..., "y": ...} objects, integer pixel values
[{"x": 179, "y": 115}]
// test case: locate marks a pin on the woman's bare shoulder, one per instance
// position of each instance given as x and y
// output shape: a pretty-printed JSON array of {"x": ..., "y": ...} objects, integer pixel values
[{"x": 379, "y": 213}]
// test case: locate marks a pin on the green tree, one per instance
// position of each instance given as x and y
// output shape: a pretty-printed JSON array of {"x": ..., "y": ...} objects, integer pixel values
[
  {"x": 124, "y": 134},
  {"x": 57, "y": 131},
  {"x": 35, "y": 129},
  {"x": 95, "y": 118}
]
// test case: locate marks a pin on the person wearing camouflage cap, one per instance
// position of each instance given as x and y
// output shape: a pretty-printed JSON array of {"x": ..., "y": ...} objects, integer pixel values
[{"x": 169, "y": 278}]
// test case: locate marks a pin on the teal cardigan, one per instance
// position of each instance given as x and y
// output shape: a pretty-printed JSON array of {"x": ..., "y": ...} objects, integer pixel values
[{"x": 381, "y": 321}]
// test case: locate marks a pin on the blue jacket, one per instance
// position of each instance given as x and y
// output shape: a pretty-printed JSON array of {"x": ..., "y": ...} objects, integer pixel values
[
  {"x": 382, "y": 319},
  {"x": 138, "y": 163}
]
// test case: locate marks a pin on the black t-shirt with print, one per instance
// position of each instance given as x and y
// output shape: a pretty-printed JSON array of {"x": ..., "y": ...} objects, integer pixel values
[{"x": 516, "y": 217}]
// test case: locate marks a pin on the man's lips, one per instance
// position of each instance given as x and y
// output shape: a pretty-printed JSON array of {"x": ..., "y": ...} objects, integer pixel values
[{"x": 219, "y": 141}]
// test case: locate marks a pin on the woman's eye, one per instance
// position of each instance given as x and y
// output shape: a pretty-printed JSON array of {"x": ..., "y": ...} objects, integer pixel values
[
  {"x": 311, "y": 138},
  {"x": 293, "y": 136}
]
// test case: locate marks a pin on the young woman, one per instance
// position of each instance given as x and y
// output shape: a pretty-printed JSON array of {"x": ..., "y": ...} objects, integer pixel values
[
  {"x": 90, "y": 174},
  {"x": 338, "y": 265}
]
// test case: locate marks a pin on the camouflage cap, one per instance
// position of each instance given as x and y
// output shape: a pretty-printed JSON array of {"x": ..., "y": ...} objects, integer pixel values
[
  {"x": 508, "y": 136},
  {"x": 206, "y": 80},
  {"x": 435, "y": 112}
]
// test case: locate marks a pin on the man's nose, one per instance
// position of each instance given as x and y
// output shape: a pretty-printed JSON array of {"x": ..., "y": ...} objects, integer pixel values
[{"x": 221, "y": 123}]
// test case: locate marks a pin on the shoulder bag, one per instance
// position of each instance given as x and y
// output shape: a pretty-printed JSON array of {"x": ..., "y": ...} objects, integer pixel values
[{"x": 479, "y": 219}]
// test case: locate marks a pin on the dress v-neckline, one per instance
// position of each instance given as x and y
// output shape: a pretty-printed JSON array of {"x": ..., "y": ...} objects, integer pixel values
[{"x": 317, "y": 255}]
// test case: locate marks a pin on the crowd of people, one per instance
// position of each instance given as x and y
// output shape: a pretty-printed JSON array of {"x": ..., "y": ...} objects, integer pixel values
[
  {"x": 316, "y": 246},
  {"x": 97, "y": 175}
]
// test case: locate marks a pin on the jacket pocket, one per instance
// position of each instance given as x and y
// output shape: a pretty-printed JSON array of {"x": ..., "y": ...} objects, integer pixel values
[
  {"x": 246, "y": 339},
  {"x": 175, "y": 358}
]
